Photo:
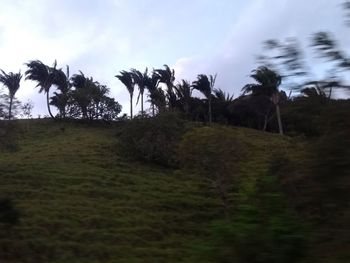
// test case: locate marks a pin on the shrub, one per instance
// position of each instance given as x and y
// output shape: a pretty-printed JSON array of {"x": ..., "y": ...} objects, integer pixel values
[
  {"x": 263, "y": 228},
  {"x": 153, "y": 139},
  {"x": 9, "y": 215}
]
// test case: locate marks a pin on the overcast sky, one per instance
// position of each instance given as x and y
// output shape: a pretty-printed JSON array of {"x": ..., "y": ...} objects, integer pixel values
[{"x": 102, "y": 38}]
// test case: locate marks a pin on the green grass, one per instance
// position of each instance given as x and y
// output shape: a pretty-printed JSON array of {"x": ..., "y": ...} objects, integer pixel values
[{"x": 80, "y": 201}]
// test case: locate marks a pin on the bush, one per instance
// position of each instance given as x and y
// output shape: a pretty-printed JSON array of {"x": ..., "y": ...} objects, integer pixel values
[
  {"x": 263, "y": 228},
  {"x": 153, "y": 139},
  {"x": 9, "y": 215}
]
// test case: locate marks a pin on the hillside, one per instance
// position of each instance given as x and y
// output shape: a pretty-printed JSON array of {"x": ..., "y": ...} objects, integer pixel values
[{"x": 80, "y": 201}]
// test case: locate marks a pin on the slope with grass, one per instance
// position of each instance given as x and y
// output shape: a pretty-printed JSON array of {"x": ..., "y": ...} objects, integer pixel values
[{"x": 80, "y": 201}]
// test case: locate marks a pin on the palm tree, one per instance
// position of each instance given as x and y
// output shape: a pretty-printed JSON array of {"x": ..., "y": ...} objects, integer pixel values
[
  {"x": 42, "y": 74},
  {"x": 140, "y": 79},
  {"x": 205, "y": 85},
  {"x": 222, "y": 96},
  {"x": 127, "y": 79},
  {"x": 156, "y": 93},
  {"x": 167, "y": 76},
  {"x": 267, "y": 83},
  {"x": 11, "y": 82},
  {"x": 83, "y": 92},
  {"x": 61, "y": 80},
  {"x": 184, "y": 93}
]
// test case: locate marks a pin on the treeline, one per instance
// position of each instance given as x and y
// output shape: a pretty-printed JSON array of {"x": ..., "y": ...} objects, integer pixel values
[{"x": 75, "y": 97}]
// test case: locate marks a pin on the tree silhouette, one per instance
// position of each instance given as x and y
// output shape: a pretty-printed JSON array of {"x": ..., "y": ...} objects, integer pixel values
[
  {"x": 205, "y": 85},
  {"x": 11, "y": 81},
  {"x": 43, "y": 75},
  {"x": 62, "y": 82},
  {"x": 156, "y": 94},
  {"x": 184, "y": 94},
  {"x": 140, "y": 79},
  {"x": 127, "y": 79},
  {"x": 82, "y": 94},
  {"x": 267, "y": 83},
  {"x": 167, "y": 76}
]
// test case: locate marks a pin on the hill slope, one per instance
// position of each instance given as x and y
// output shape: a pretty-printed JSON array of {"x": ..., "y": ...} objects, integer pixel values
[{"x": 81, "y": 202}]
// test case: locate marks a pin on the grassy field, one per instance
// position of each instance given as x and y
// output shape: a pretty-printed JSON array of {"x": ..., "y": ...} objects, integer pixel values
[{"x": 80, "y": 201}]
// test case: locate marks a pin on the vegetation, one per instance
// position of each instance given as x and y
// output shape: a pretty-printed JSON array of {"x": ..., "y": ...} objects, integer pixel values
[
  {"x": 189, "y": 179},
  {"x": 153, "y": 139}
]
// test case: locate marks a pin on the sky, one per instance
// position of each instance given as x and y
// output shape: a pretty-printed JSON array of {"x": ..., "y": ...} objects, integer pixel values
[{"x": 101, "y": 38}]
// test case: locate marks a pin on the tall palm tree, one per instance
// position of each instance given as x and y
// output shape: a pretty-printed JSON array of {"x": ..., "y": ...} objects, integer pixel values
[
  {"x": 127, "y": 79},
  {"x": 11, "y": 82},
  {"x": 62, "y": 82},
  {"x": 83, "y": 92},
  {"x": 205, "y": 85},
  {"x": 267, "y": 83},
  {"x": 43, "y": 75},
  {"x": 167, "y": 76},
  {"x": 156, "y": 93},
  {"x": 184, "y": 93},
  {"x": 140, "y": 79}
]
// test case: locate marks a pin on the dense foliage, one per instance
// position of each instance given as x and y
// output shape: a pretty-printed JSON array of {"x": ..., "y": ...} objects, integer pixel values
[{"x": 153, "y": 139}]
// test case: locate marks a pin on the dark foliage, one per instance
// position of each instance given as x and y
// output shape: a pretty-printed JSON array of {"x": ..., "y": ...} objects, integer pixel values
[
  {"x": 153, "y": 139},
  {"x": 9, "y": 215}
]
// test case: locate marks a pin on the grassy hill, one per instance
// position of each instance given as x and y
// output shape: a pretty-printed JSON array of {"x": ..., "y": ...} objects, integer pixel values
[{"x": 80, "y": 201}]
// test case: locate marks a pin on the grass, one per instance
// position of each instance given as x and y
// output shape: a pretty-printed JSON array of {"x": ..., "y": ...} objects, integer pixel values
[{"x": 80, "y": 201}]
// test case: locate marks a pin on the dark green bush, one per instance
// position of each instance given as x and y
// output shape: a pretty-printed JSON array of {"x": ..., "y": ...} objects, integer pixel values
[
  {"x": 263, "y": 229},
  {"x": 153, "y": 139},
  {"x": 9, "y": 215}
]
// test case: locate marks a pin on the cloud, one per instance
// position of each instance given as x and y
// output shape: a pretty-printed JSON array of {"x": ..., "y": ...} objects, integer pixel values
[{"x": 234, "y": 58}]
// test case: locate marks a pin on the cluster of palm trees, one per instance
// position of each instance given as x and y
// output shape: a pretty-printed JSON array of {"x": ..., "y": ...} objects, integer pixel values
[
  {"x": 164, "y": 94},
  {"x": 77, "y": 96}
]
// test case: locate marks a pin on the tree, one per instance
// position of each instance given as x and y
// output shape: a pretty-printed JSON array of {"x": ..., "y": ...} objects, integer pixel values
[
  {"x": 140, "y": 79},
  {"x": 43, "y": 75},
  {"x": 80, "y": 93},
  {"x": 127, "y": 79},
  {"x": 61, "y": 81},
  {"x": 184, "y": 93},
  {"x": 27, "y": 109},
  {"x": 167, "y": 76},
  {"x": 267, "y": 83},
  {"x": 11, "y": 81},
  {"x": 287, "y": 59},
  {"x": 205, "y": 85},
  {"x": 221, "y": 102},
  {"x": 156, "y": 94}
]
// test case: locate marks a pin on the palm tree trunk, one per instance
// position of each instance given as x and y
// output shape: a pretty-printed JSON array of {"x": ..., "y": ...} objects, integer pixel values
[
  {"x": 330, "y": 93},
  {"x": 209, "y": 100},
  {"x": 48, "y": 104},
  {"x": 130, "y": 105},
  {"x": 265, "y": 123},
  {"x": 10, "y": 108},
  {"x": 280, "y": 128},
  {"x": 142, "y": 104}
]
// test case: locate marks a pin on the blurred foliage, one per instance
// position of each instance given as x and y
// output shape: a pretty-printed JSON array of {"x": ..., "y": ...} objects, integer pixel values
[{"x": 262, "y": 227}]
